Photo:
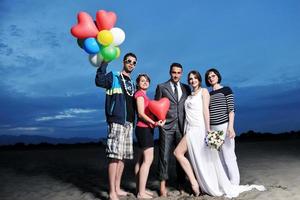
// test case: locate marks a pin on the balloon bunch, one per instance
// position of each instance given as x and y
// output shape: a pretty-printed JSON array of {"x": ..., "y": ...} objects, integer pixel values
[{"x": 100, "y": 39}]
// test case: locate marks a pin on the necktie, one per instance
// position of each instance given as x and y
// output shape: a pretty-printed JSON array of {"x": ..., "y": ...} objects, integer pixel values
[{"x": 176, "y": 91}]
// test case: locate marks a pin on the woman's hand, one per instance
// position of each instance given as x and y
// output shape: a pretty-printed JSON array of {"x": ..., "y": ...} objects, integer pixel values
[
  {"x": 230, "y": 132},
  {"x": 161, "y": 123}
]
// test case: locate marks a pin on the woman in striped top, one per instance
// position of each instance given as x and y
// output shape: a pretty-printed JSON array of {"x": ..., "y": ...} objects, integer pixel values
[{"x": 222, "y": 118}]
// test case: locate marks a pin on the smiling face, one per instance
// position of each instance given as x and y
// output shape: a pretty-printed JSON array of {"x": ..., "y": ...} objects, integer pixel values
[
  {"x": 143, "y": 83},
  {"x": 176, "y": 73},
  {"x": 129, "y": 64},
  {"x": 194, "y": 81},
  {"x": 212, "y": 78}
]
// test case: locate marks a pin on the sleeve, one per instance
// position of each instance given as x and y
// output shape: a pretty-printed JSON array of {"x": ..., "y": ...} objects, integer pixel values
[
  {"x": 230, "y": 100},
  {"x": 139, "y": 94},
  {"x": 158, "y": 93},
  {"x": 102, "y": 79}
]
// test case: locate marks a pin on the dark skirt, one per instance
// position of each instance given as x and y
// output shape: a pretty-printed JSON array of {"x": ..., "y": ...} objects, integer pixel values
[{"x": 144, "y": 136}]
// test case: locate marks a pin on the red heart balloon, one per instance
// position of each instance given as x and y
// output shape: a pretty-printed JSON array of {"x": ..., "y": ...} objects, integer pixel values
[
  {"x": 85, "y": 27},
  {"x": 160, "y": 108},
  {"x": 105, "y": 20}
]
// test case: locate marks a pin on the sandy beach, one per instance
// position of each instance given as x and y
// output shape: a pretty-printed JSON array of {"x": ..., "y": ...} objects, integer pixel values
[{"x": 81, "y": 173}]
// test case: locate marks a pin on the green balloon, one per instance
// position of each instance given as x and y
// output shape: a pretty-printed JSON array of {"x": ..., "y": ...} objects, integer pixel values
[{"x": 109, "y": 53}]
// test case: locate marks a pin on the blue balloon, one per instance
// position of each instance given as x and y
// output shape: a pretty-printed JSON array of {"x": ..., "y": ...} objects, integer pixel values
[{"x": 91, "y": 46}]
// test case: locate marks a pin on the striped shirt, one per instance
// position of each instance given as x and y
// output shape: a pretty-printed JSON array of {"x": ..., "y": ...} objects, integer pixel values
[{"x": 221, "y": 104}]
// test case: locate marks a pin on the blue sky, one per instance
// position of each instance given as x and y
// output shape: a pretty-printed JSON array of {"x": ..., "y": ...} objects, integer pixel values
[{"x": 47, "y": 83}]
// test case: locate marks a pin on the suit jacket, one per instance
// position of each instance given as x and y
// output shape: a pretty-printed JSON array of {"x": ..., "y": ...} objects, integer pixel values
[{"x": 176, "y": 111}]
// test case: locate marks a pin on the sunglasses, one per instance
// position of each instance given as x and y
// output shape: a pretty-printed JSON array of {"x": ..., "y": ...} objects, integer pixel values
[{"x": 128, "y": 61}]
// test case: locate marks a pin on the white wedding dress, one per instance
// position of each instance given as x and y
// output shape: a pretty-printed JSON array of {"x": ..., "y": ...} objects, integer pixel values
[{"x": 206, "y": 163}]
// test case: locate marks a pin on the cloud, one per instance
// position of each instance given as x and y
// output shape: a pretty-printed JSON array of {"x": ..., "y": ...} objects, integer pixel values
[
  {"x": 25, "y": 129},
  {"x": 5, "y": 50},
  {"x": 70, "y": 113},
  {"x": 15, "y": 31}
]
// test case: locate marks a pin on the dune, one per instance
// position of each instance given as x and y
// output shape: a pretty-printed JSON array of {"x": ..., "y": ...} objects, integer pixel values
[{"x": 81, "y": 173}]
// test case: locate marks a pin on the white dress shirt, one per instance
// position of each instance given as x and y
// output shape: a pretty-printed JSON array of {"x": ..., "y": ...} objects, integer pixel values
[{"x": 178, "y": 89}]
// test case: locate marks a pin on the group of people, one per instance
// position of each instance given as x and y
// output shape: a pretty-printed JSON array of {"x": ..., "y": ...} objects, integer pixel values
[{"x": 193, "y": 112}]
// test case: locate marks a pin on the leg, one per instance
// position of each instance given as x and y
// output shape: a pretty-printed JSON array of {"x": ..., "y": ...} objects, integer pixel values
[
  {"x": 228, "y": 157},
  {"x": 165, "y": 142},
  {"x": 163, "y": 188},
  {"x": 179, "y": 153},
  {"x": 137, "y": 169},
  {"x": 144, "y": 171},
  {"x": 112, "y": 173},
  {"x": 126, "y": 149},
  {"x": 120, "y": 169},
  {"x": 138, "y": 163},
  {"x": 230, "y": 161},
  {"x": 114, "y": 153},
  {"x": 179, "y": 171}
]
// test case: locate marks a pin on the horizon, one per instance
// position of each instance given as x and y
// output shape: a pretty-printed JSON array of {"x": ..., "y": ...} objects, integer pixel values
[
  {"x": 38, "y": 140},
  {"x": 47, "y": 86}
]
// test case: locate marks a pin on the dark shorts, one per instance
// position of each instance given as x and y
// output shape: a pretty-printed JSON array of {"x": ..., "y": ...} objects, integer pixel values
[{"x": 144, "y": 137}]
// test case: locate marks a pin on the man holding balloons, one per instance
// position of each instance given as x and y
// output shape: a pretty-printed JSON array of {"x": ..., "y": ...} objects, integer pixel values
[
  {"x": 120, "y": 116},
  {"x": 101, "y": 40}
]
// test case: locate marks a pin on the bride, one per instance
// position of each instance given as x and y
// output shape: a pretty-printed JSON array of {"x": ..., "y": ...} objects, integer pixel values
[{"x": 204, "y": 169}]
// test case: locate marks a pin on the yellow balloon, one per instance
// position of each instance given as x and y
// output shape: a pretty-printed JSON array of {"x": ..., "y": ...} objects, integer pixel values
[
  {"x": 118, "y": 52},
  {"x": 105, "y": 37}
]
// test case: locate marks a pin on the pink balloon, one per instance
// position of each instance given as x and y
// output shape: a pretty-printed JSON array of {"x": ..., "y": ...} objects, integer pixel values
[
  {"x": 105, "y": 20},
  {"x": 85, "y": 27},
  {"x": 159, "y": 108}
]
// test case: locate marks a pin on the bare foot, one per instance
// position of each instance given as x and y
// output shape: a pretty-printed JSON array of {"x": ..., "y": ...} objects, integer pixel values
[
  {"x": 144, "y": 196},
  {"x": 149, "y": 192},
  {"x": 164, "y": 193},
  {"x": 181, "y": 190},
  {"x": 163, "y": 189},
  {"x": 113, "y": 196},
  {"x": 121, "y": 192},
  {"x": 196, "y": 189}
]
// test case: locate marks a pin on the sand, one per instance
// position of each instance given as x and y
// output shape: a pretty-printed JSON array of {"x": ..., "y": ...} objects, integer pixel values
[{"x": 81, "y": 173}]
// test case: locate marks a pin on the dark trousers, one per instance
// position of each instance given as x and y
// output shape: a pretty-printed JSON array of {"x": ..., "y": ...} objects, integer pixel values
[{"x": 167, "y": 140}]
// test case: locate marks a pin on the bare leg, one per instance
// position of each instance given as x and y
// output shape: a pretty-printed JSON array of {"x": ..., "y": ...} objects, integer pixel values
[
  {"x": 119, "y": 174},
  {"x": 179, "y": 153},
  {"x": 112, "y": 172},
  {"x": 144, "y": 171},
  {"x": 163, "y": 188},
  {"x": 137, "y": 172},
  {"x": 137, "y": 169}
]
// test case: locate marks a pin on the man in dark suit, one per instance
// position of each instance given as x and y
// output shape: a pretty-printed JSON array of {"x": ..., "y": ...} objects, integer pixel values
[{"x": 171, "y": 133}]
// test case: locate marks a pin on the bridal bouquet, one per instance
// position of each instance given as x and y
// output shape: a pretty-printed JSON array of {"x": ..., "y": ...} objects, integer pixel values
[{"x": 214, "y": 139}]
